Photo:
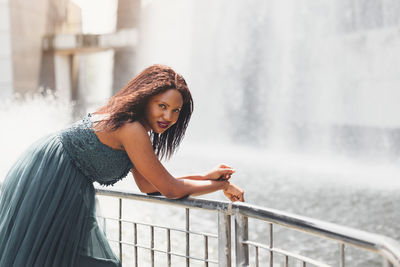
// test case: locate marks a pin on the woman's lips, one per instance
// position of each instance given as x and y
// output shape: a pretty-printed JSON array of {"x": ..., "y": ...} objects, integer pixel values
[{"x": 163, "y": 125}]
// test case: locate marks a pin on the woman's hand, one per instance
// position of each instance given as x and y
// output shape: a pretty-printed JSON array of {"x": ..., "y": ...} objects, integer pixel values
[
  {"x": 234, "y": 193},
  {"x": 221, "y": 172}
]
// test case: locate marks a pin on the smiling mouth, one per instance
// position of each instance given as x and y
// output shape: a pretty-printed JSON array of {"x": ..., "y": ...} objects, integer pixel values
[{"x": 163, "y": 125}]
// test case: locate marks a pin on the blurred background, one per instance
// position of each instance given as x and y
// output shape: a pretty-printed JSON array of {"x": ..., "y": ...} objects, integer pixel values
[{"x": 300, "y": 96}]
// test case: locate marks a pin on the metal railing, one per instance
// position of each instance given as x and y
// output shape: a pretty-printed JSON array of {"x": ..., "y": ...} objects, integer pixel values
[{"x": 386, "y": 248}]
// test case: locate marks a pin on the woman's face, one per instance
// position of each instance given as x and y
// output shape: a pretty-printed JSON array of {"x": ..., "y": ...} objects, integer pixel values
[{"x": 162, "y": 111}]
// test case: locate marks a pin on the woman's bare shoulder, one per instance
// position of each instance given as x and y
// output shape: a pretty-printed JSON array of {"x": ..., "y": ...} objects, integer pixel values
[{"x": 131, "y": 129}]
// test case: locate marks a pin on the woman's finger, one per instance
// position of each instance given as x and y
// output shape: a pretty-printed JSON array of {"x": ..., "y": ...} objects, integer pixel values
[
  {"x": 230, "y": 196},
  {"x": 224, "y": 166},
  {"x": 226, "y": 170},
  {"x": 226, "y": 176}
]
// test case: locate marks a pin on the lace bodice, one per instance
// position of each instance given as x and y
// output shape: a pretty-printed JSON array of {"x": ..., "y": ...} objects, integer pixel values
[{"x": 97, "y": 161}]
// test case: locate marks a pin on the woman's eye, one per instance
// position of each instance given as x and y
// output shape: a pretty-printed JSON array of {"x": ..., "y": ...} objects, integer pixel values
[
  {"x": 177, "y": 110},
  {"x": 162, "y": 106}
]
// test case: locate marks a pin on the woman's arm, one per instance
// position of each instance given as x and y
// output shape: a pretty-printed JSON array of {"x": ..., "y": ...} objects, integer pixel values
[
  {"x": 143, "y": 185},
  {"x": 221, "y": 172},
  {"x": 232, "y": 192},
  {"x": 148, "y": 188},
  {"x": 136, "y": 143}
]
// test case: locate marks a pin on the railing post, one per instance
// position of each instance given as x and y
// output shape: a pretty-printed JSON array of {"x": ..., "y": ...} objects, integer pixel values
[
  {"x": 206, "y": 251},
  {"x": 187, "y": 237},
  {"x": 241, "y": 234},
  {"x": 224, "y": 239},
  {"x": 135, "y": 241},
  {"x": 342, "y": 255},
  {"x": 152, "y": 245},
  {"x": 271, "y": 245},
  {"x": 169, "y": 247},
  {"x": 386, "y": 263}
]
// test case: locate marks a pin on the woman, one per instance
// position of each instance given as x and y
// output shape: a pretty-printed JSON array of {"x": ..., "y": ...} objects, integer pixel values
[{"x": 47, "y": 212}]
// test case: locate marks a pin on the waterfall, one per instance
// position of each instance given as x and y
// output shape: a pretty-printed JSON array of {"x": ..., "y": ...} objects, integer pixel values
[{"x": 301, "y": 76}]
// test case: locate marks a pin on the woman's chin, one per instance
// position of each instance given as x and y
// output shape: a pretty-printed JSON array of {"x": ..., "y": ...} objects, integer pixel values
[{"x": 159, "y": 131}]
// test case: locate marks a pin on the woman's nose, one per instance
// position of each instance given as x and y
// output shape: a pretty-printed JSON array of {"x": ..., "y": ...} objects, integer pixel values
[{"x": 167, "y": 115}]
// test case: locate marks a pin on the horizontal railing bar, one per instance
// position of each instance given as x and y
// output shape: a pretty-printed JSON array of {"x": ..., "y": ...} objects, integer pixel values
[
  {"x": 162, "y": 251},
  {"x": 300, "y": 257},
  {"x": 161, "y": 227},
  {"x": 286, "y": 253},
  {"x": 384, "y": 246},
  {"x": 194, "y": 203},
  {"x": 380, "y": 244}
]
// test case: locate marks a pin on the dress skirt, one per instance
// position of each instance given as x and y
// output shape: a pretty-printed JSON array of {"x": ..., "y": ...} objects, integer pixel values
[{"x": 47, "y": 212}]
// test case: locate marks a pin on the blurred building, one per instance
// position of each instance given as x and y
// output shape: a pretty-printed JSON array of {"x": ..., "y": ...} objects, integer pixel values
[
  {"x": 42, "y": 42},
  {"x": 24, "y": 23},
  {"x": 6, "y": 80}
]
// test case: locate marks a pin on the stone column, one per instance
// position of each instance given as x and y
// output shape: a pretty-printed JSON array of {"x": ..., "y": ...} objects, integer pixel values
[
  {"x": 6, "y": 80},
  {"x": 63, "y": 17},
  {"x": 128, "y": 17},
  {"x": 29, "y": 22},
  {"x": 27, "y": 26}
]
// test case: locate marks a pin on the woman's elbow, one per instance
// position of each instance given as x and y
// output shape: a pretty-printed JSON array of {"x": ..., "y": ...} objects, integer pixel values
[
  {"x": 175, "y": 190},
  {"x": 173, "y": 194}
]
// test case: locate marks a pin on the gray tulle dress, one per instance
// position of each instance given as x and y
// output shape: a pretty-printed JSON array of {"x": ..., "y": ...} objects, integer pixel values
[{"x": 47, "y": 201}]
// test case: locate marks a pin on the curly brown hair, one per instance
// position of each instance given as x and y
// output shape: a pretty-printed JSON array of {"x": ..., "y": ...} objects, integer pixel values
[{"x": 129, "y": 104}]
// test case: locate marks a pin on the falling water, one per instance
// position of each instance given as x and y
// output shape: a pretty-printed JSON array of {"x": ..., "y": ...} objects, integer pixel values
[
  {"x": 26, "y": 119},
  {"x": 309, "y": 84},
  {"x": 304, "y": 75},
  {"x": 299, "y": 96}
]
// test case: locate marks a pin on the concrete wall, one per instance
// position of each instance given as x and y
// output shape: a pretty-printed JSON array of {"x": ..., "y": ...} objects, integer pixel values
[
  {"x": 28, "y": 25},
  {"x": 128, "y": 17},
  {"x": 29, "y": 22},
  {"x": 6, "y": 82}
]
